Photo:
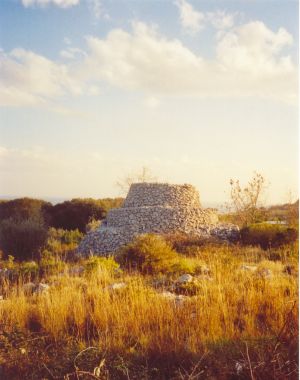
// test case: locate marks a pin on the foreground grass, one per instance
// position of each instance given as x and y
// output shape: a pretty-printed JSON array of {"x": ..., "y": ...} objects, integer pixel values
[{"x": 235, "y": 323}]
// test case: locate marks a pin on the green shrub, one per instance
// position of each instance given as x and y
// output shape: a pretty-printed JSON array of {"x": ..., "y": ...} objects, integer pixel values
[
  {"x": 92, "y": 225},
  {"x": 62, "y": 243},
  {"x": 268, "y": 235},
  {"x": 148, "y": 253},
  {"x": 185, "y": 265},
  {"x": 65, "y": 236},
  {"x": 29, "y": 270},
  {"x": 188, "y": 244},
  {"x": 95, "y": 264},
  {"x": 22, "y": 238},
  {"x": 153, "y": 254},
  {"x": 50, "y": 264}
]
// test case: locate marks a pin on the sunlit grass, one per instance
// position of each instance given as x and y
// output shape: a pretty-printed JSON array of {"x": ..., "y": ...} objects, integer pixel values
[{"x": 230, "y": 305}]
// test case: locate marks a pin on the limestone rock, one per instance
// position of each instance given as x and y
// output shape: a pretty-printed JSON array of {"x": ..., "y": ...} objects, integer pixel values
[
  {"x": 117, "y": 286},
  {"x": 41, "y": 288},
  {"x": 184, "y": 279},
  {"x": 249, "y": 268},
  {"x": 228, "y": 231},
  {"x": 31, "y": 288},
  {"x": 28, "y": 288},
  {"x": 178, "y": 299},
  {"x": 265, "y": 273}
]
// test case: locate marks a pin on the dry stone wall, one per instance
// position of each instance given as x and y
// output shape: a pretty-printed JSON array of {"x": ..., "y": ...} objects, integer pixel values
[{"x": 154, "y": 208}]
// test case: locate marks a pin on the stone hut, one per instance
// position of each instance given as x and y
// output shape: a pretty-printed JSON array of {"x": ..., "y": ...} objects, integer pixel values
[{"x": 155, "y": 208}]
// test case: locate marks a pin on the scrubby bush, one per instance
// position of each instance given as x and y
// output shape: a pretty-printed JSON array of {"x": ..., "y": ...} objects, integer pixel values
[
  {"x": 95, "y": 264},
  {"x": 153, "y": 254},
  {"x": 189, "y": 244},
  {"x": 62, "y": 243},
  {"x": 50, "y": 263},
  {"x": 22, "y": 238},
  {"x": 268, "y": 235},
  {"x": 92, "y": 225},
  {"x": 149, "y": 254},
  {"x": 65, "y": 236},
  {"x": 185, "y": 265},
  {"x": 29, "y": 270}
]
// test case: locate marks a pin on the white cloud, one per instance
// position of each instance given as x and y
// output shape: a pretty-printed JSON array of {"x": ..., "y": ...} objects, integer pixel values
[
  {"x": 141, "y": 60},
  {"x": 97, "y": 9},
  {"x": 190, "y": 19},
  {"x": 27, "y": 78},
  {"x": 43, "y": 3},
  {"x": 249, "y": 62},
  {"x": 253, "y": 48},
  {"x": 193, "y": 21},
  {"x": 72, "y": 53},
  {"x": 221, "y": 19}
]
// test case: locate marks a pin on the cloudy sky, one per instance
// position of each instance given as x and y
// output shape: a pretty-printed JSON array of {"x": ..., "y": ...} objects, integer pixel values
[{"x": 197, "y": 91}]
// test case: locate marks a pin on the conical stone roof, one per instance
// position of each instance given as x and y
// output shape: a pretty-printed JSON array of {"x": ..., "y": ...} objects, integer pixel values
[{"x": 151, "y": 208}]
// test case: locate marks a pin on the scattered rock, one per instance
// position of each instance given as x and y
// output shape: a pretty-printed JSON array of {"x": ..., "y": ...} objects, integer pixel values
[
  {"x": 76, "y": 270},
  {"x": 239, "y": 367},
  {"x": 31, "y": 288},
  {"x": 178, "y": 299},
  {"x": 205, "y": 270},
  {"x": 28, "y": 288},
  {"x": 41, "y": 288},
  {"x": 248, "y": 268},
  {"x": 185, "y": 278},
  {"x": 226, "y": 231},
  {"x": 265, "y": 273},
  {"x": 117, "y": 285}
]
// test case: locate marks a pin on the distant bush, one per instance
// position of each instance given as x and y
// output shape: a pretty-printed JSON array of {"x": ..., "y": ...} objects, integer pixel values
[
  {"x": 22, "y": 238},
  {"x": 23, "y": 208},
  {"x": 268, "y": 235},
  {"x": 77, "y": 213}
]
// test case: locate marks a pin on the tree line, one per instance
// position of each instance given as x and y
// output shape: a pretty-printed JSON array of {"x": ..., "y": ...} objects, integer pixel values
[{"x": 24, "y": 222}]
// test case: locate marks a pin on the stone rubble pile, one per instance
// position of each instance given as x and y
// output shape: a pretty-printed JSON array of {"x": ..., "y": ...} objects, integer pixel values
[{"x": 155, "y": 208}]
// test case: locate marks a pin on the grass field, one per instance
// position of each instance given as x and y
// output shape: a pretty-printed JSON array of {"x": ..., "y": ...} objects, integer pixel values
[{"x": 236, "y": 319}]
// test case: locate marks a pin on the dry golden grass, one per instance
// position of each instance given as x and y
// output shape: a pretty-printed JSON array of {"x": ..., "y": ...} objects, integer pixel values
[{"x": 137, "y": 320}]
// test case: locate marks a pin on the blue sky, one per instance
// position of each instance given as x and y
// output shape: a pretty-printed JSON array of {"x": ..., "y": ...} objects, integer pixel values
[{"x": 197, "y": 91}]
